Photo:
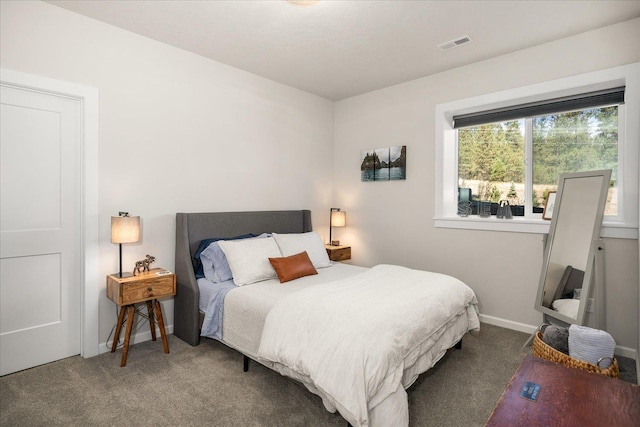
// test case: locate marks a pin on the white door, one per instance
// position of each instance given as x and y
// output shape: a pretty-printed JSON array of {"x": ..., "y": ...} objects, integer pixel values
[{"x": 40, "y": 226}]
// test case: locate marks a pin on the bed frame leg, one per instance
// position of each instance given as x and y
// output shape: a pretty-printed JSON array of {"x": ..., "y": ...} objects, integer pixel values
[
  {"x": 246, "y": 364},
  {"x": 458, "y": 345}
]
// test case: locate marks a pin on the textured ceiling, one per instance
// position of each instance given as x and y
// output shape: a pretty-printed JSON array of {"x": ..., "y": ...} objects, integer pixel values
[{"x": 338, "y": 49}]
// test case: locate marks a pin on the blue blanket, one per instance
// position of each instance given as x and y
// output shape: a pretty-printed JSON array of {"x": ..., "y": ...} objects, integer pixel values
[{"x": 212, "y": 325}]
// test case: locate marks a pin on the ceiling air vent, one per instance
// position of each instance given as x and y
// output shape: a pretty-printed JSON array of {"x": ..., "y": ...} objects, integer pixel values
[{"x": 454, "y": 43}]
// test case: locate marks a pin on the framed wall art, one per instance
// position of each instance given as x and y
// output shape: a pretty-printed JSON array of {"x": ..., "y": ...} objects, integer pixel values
[{"x": 384, "y": 164}]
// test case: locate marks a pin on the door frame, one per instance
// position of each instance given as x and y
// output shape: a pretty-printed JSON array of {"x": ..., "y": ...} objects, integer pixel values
[{"x": 89, "y": 263}]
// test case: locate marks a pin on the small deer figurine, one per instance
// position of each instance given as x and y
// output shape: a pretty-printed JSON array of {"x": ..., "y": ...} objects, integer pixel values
[{"x": 143, "y": 264}]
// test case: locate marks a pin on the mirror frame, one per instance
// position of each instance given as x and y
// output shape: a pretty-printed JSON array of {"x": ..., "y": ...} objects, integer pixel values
[{"x": 595, "y": 235}]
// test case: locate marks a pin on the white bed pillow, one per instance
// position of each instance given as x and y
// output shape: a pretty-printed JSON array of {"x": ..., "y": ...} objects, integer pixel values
[
  {"x": 249, "y": 259},
  {"x": 568, "y": 307},
  {"x": 214, "y": 263},
  {"x": 291, "y": 244}
]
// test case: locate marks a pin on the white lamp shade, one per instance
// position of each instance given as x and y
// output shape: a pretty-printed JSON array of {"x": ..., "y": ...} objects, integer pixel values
[
  {"x": 125, "y": 229},
  {"x": 338, "y": 218}
]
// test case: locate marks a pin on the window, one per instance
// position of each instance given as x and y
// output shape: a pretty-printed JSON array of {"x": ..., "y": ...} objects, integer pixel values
[
  {"x": 513, "y": 146},
  {"x": 491, "y": 166},
  {"x": 492, "y": 159}
]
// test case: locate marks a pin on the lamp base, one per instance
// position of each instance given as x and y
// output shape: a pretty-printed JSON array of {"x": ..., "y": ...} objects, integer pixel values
[
  {"x": 335, "y": 243},
  {"x": 124, "y": 274}
]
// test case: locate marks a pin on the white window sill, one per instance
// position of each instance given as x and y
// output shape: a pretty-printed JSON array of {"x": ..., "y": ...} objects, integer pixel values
[{"x": 522, "y": 225}]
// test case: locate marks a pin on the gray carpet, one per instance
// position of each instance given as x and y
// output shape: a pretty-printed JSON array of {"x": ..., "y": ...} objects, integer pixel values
[{"x": 205, "y": 385}]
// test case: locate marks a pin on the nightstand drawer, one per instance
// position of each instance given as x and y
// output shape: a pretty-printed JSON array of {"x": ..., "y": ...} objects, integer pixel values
[
  {"x": 149, "y": 289},
  {"x": 144, "y": 287},
  {"x": 338, "y": 253}
]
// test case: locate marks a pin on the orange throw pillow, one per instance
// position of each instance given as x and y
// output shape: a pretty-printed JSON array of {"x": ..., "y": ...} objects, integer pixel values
[{"x": 293, "y": 267}]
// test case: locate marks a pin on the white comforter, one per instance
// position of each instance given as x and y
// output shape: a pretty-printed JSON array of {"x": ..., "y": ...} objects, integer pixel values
[{"x": 350, "y": 338}]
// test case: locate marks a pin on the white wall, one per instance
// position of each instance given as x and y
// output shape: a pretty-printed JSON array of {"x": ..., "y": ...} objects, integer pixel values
[
  {"x": 392, "y": 222},
  {"x": 178, "y": 132}
]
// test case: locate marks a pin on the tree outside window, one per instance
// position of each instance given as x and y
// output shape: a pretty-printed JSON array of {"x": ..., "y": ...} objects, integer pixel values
[{"x": 492, "y": 157}]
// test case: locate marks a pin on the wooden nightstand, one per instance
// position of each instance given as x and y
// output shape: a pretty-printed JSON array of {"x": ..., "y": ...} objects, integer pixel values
[
  {"x": 338, "y": 253},
  {"x": 147, "y": 287}
]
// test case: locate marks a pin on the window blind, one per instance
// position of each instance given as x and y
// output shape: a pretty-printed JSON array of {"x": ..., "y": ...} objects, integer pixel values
[{"x": 557, "y": 105}]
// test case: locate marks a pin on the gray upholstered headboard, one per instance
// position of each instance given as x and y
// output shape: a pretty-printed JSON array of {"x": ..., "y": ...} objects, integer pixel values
[{"x": 191, "y": 228}]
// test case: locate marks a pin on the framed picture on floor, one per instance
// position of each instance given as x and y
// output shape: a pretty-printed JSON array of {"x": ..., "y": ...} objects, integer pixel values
[{"x": 549, "y": 205}]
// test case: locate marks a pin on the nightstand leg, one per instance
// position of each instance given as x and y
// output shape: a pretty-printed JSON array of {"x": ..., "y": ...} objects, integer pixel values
[
  {"x": 131, "y": 312},
  {"x": 163, "y": 334},
  {"x": 116, "y": 337},
  {"x": 152, "y": 324}
]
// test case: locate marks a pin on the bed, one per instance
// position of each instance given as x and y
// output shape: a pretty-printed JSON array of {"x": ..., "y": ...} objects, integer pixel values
[{"x": 357, "y": 337}]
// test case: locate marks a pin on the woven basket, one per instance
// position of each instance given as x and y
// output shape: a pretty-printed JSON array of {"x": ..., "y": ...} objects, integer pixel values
[{"x": 545, "y": 351}]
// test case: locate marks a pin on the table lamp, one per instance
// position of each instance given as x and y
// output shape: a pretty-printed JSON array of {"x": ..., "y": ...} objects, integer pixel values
[
  {"x": 124, "y": 229},
  {"x": 338, "y": 219}
]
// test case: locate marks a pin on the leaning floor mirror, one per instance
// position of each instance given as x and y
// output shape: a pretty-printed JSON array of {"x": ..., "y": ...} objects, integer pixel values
[{"x": 568, "y": 264}]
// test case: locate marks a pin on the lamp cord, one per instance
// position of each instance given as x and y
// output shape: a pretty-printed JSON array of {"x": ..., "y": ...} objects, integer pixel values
[{"x": 137, "y": 327}]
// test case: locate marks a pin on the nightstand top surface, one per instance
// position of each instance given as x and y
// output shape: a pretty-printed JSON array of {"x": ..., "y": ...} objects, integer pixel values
[
  {"x": 336, "y": 247},
  {"x": 144, "y": 275}
]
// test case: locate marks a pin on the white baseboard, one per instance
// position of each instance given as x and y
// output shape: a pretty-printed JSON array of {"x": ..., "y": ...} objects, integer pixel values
[
  {"x": 138, "y": 337},
  {"x": 530, "y": 329},
  {"x": 508, "y": 324},
  {"x": 626, "y": 352}
]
